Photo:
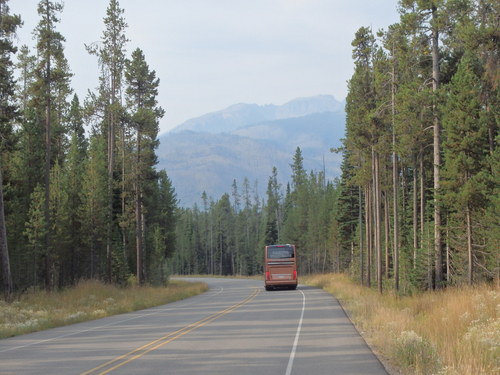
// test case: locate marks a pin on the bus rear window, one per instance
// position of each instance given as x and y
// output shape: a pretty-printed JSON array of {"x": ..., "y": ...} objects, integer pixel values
[{"x": 280, "y": 252}]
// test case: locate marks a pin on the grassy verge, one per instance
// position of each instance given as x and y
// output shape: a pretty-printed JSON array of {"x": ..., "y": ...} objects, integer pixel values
[
  {"x": 450, "y": 332},
  {"x": 88, "y": 300}
]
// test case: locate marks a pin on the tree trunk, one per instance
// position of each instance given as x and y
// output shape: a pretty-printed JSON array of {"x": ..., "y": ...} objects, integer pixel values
[
  {"x": 221, "y": 254},
  {"x": 368, "y": 232},
  {"x": 422, "y": 196},
  {"x": 212, "y": 261},
  {"x": 438, "y": 249},
  {"x": 387, "y": 241},
  {"x": 123, "y": 196},
  {"x": 4, "y": 249},
  {"x": 415, "y": 213},
  {"x": 143, "y": 243},
  {"x": 111, "y": 167},
  {"x": 48, "y": 156},
  {"x": 395, "y": 183},
  {"x": 470, "y": 254},
  {"x": 138, "y": 213},
  {"x": 491, "y": 132},
  {"x": 448, "y": 257},
  {"x": 111, "y": 162},
  {"x": 377, "y": 217},
  {"x": 360, "y": 223}
]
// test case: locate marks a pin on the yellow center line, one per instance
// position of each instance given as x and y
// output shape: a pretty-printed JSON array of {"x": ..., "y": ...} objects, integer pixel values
[{"x": 153, "y": 345}]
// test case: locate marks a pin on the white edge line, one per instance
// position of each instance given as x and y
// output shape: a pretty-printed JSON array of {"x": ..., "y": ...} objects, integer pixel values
[{"x": 296, "y": 341}]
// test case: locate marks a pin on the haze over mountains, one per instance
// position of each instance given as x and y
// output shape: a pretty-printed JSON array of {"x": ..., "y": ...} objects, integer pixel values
[{"x": 246, "y": 140}]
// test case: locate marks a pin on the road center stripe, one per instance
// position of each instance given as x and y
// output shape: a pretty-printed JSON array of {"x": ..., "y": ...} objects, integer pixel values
[{"x": 119, "y": 361}]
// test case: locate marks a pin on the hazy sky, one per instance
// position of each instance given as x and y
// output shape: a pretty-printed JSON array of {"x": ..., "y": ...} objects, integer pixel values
[{"x": 210, "y": 54}]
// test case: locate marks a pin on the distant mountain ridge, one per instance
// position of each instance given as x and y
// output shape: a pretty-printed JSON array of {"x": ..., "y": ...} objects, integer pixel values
[
  {"x": 246, "y": 141},
  {"x": 240, "y": 115}
]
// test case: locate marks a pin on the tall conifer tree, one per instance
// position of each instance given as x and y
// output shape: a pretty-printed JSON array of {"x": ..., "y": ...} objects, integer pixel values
[
  {"x": 272, "y": 234},
  {"x": 8, "y": 111},
  {"x": 141, "y": 92},
  {"x": 51, "y": 73},
  {"x": 111, "y": 54},
  {"x": 466, "y": 151},
  {"x": 427, "y": 16}
]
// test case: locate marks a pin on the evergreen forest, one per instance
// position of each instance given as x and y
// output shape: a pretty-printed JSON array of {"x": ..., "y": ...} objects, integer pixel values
[
  {"x": 417, "y": 205},
  {"x": 80, "y": 196}
]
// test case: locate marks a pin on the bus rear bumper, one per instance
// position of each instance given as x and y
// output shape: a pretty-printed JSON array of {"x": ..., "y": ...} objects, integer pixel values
[{"x": 279, "y": 284}]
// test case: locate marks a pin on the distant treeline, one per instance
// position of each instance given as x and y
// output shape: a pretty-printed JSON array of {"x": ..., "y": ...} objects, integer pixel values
[{"x": 227, "y": 236}]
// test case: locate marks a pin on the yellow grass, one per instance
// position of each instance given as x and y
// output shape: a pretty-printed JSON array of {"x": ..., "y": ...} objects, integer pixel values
[
  {"x": 88, "y": 300},
  {"x": 450, "y": 332}
]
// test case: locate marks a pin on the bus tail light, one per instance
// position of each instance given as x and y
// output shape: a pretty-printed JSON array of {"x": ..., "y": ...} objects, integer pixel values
[
  {"x": 295, "y": 274},
  {"x": 268, "y": 275}
]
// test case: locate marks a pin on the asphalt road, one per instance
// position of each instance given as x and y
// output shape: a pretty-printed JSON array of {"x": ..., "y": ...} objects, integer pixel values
[{"x": 234, "y": 328}]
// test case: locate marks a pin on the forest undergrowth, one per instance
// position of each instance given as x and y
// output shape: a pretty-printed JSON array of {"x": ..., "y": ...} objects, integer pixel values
[
  {"x": 91, "y": 299},
  {"x": 455, "y": 331}
]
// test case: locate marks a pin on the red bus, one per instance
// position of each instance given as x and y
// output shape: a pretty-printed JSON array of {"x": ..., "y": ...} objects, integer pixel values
[{"x": 280, "y": 262}]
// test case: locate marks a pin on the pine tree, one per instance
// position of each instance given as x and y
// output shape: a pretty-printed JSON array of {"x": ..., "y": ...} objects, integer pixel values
[
  {"x": 51, "y": 76},
  {"x": 380, "y": 120},
  {"x": 360, "y": 104},
  {"x": 349, "y": 216},
  {"x": 111, "y": 56},
  {"x": 396, "y": 44},
  {"x": 273, "y": 212},
  {"x": 29, "y": 161},
  {"x": 8, "y": 112},
  {"x": 466, "y": 151},
  {"x": 35, "y": 231},
  {"x": 167, "y": 212},
  {"x": 93, "y": 212},
  {"x": 296, "y": 212},
  {"x": 73, "y": 181},
  {"x": 224, "y": 220},
  {"x": 428, "y": 15},
  {"x": 60, "y": 214},
  {"x": 141, "y": 92},
  {"x": 161, "y": 234}
]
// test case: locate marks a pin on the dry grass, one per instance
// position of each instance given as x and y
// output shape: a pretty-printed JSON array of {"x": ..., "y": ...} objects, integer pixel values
[
  {"x": 88, "y": 300},
  {"x": 450, "y": 332}
]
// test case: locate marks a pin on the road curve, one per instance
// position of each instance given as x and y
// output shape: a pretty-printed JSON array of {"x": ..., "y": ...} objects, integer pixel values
[{"x": 234, "y": 328}]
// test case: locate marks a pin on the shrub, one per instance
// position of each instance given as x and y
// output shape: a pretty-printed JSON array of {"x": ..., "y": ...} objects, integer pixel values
[{"x": 414, "y": 352}]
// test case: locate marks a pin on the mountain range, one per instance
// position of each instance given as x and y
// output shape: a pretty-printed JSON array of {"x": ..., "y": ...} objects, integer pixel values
[{"x": 246, "y": 141}]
